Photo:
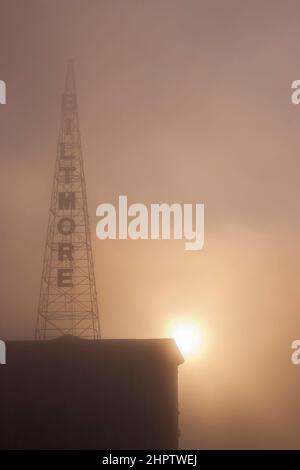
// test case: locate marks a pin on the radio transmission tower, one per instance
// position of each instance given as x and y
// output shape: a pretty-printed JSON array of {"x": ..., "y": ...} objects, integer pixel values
[{"x": 68, "y": 298}]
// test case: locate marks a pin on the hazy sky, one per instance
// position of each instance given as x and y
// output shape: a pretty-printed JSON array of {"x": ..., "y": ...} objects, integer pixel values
[{"x": 179, "y": 101}]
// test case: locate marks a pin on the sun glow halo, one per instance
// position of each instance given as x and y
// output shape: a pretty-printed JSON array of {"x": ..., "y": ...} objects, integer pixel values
[{"x": 188, "y": 339}]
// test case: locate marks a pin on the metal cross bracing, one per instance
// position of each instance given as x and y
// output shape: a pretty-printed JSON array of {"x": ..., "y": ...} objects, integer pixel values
[{"x": 68, "y": 297}]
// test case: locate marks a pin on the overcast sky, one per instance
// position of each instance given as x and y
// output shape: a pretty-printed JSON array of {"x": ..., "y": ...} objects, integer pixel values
[{"x": 179, "y": 101}]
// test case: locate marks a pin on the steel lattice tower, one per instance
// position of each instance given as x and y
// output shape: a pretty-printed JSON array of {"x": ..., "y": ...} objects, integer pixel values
[{"x": 68, "y": 298}]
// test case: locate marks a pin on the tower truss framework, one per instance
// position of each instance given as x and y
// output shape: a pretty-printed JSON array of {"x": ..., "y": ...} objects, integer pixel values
[{"x": 68, "y": 298}]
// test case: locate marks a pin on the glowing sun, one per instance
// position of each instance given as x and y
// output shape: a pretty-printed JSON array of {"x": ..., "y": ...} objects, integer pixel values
[{"x": 188, "y": 339}]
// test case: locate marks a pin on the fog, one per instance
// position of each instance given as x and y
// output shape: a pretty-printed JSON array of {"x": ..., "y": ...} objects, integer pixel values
[{"x": 179, "y": 101}]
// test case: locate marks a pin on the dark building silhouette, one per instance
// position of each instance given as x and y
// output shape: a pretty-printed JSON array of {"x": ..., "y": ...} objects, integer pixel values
[{"x": 71, "y": 393}]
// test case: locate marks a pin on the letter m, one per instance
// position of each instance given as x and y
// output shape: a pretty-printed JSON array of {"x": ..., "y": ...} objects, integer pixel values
[
  {"x": 166, "y": 213},
  {"x": 66, "y": 201}
]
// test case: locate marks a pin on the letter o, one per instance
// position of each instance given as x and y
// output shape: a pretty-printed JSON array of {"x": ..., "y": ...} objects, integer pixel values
[{"x": 66, "y": 230}]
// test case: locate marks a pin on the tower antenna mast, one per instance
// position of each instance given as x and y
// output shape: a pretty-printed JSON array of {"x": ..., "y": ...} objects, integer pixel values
[{"x": 68, "y": 298}]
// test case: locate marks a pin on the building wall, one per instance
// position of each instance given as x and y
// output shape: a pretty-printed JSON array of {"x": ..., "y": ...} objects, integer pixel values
[{"x": 77, "y": 394}]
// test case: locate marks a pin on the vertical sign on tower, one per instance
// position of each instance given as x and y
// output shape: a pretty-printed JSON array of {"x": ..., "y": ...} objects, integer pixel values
[{"x": 68, "y": 298}]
